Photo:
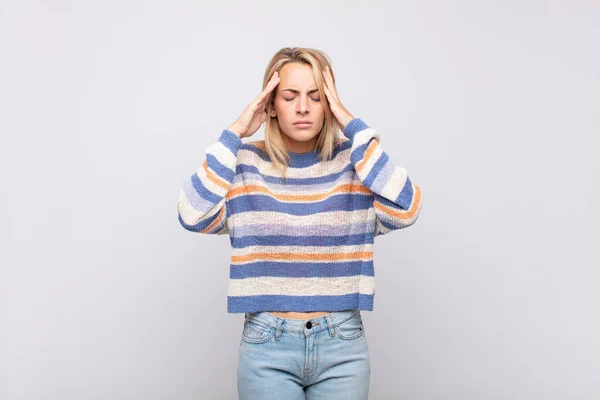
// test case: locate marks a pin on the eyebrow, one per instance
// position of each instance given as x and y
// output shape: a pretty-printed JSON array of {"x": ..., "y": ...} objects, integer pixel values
[{"x": 297, "y": 91}]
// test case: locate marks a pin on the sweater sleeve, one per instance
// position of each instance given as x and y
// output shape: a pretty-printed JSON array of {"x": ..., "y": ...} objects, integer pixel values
[
  {"x": 397, "y": 200},
  {"x": 202, "y": 204}
]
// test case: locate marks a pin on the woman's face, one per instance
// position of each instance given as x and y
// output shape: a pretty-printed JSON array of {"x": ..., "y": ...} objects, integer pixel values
[{"x": 297, "y": 99}]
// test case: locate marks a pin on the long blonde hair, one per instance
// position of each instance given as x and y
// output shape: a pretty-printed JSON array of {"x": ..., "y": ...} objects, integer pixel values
[{"x": 328, "y": 137}]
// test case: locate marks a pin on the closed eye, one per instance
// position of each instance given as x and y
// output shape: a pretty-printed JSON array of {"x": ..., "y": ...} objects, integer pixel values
[{"x": 317, "y": 99}]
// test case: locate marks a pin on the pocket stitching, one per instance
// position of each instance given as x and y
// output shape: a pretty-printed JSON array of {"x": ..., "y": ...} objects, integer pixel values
[
  {"x": 355, "y": 336},
  {"x": 257, "y": 327}
]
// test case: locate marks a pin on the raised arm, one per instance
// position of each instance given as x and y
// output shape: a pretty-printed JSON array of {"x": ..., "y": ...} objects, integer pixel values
[
  {"x": 202, "y": 198},
  {"x": 397, "y": 200},
  {"x": 202, "y": 202}
]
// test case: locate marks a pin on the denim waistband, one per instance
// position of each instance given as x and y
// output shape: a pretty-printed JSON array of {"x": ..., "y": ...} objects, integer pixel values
[{"x": 291, "y": 325}]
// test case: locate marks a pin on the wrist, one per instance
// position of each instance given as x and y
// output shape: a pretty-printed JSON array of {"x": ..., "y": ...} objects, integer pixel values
[{"x": 235, "y": 130}]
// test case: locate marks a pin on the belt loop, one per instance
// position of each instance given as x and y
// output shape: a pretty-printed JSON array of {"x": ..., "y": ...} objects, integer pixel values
[
  {"x": 278, "y": 329},
  {"x": 329, "y": 325}
]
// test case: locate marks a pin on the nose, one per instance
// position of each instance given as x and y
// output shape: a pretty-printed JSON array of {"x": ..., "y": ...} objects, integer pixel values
[{"x": 302, "y": 105}]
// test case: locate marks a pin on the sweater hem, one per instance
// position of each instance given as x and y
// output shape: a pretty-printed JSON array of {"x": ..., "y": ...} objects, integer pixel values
[{"x": 280, "y": 303}]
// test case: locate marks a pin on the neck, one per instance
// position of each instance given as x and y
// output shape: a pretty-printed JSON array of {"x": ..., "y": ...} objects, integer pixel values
[{"x": 295, "y": 146}]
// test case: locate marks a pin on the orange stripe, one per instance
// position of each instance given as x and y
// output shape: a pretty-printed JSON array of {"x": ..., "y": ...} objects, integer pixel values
[
  {"x": 302, "y": 257},
  {"x": 216, "y": 221},
  {"x": 217, "y": 180},
  {"x": 402, "y": 214},
  {"x": 368, "y": 153},
  {"x": 254, "y": 189}
]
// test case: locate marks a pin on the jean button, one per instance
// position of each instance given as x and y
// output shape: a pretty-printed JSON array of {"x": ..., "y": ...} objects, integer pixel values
[{"x": 309, "y": 325}]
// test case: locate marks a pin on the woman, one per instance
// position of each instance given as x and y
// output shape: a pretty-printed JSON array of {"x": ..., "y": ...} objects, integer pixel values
[{"x": 302, "y": 209}]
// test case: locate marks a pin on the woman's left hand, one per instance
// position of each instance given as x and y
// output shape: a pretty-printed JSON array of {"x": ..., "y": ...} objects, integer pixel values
[{"x": 342, "y": 115}]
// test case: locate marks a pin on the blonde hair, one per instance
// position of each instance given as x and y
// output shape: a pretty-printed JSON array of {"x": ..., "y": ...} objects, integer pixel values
[{"x": 328, "y": 137}]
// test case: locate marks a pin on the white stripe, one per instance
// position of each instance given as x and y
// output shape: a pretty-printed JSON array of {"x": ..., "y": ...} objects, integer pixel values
[
  {"x": 249, "y": 178},
  {"x": 394, "y": 186},
  {"x": 364, "y": 136},
  {"x": 223, "y": 154},
  {"x": 319, "y": 169},
  {"x": 335, "y": 286},
  {"x": 335, "y": 218}
]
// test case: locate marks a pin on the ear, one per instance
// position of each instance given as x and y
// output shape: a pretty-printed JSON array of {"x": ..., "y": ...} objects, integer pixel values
[{"x": 272, "y": 114}]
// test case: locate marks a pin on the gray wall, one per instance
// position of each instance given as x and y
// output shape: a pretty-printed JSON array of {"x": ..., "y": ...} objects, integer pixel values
[{"x": 107, "y": 106}]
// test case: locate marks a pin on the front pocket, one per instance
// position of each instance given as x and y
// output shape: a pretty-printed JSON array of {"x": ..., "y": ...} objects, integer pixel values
[
  {"x": 256, "y": 333},
  {"x": 350, "y": 329}
]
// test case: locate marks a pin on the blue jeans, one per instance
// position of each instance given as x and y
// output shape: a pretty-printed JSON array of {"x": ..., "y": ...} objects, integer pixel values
[{"x": 291, "y": 359}]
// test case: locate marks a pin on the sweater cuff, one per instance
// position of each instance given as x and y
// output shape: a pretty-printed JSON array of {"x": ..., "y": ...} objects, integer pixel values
[
  {"x": 230, "y": 140},
  {"x": 353, "y": 127}
]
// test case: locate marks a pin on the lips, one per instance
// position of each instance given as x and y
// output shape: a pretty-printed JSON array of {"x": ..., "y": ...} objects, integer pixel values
[{"x": 303, "y": 123}]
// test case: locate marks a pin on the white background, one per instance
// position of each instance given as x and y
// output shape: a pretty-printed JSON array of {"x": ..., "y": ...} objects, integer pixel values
[{"x": 106, "y": 107}]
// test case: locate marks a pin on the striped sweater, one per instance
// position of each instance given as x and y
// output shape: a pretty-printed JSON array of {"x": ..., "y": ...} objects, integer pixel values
[{"x": 304, "y": 243}]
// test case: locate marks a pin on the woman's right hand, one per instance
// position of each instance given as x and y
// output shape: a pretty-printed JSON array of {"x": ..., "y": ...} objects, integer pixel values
[{"x": 254, "y": 115}]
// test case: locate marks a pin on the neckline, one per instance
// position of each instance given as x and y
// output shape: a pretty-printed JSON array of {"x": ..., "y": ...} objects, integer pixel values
[{"x": 303, "y": 159}]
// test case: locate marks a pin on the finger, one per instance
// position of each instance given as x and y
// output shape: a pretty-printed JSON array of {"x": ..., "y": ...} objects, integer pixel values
[
  {"x": 262, "y": 103},
  {"x": 264, "y": 96},
  {"x": 328, "y": 94},
  {"x": 270, "y": 86},
  {"x": 330, "y": 85},
  {"x": 328, "y": 76}
]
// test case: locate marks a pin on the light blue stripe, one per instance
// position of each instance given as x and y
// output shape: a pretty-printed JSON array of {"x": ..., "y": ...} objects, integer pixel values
[
  {"x": 284, "y": 269},
  {"x": 195, "y": 199},
  {"x": 312, "y": 230},
  {"x": 383, "y": 177}
]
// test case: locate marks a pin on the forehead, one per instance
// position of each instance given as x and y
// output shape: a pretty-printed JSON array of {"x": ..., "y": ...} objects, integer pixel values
[{"x": 295, "y": 75}]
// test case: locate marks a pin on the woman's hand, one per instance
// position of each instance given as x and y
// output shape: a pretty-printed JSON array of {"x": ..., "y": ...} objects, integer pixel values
[
  {"x": 254, "y": 115},
  {"x": 342, "y": 115}
]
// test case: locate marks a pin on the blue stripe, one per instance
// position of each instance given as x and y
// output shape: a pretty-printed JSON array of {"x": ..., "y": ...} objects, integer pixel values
[
  {"x": 230, "y": 140},
  {"x": 301, "y": 269},
  {"x": 359, "y": 153},
  {"x": 377, "y": 167},
  {"x": 203, "y": 191},
  {"x": 339, "y": 202},
  {"x": 386, "y": 202},
  {"x": 243, "y": 304},
  {"x": 405, "y": 197},
  {"x": 340, "y": 147},
  {"x": 284, "y": 240},
  {"x": 395, "y": 224},
  {"x": 354, "y": 126},
  {"x": 214, "y": 164},
  {"x": 200, "y": 226}
]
